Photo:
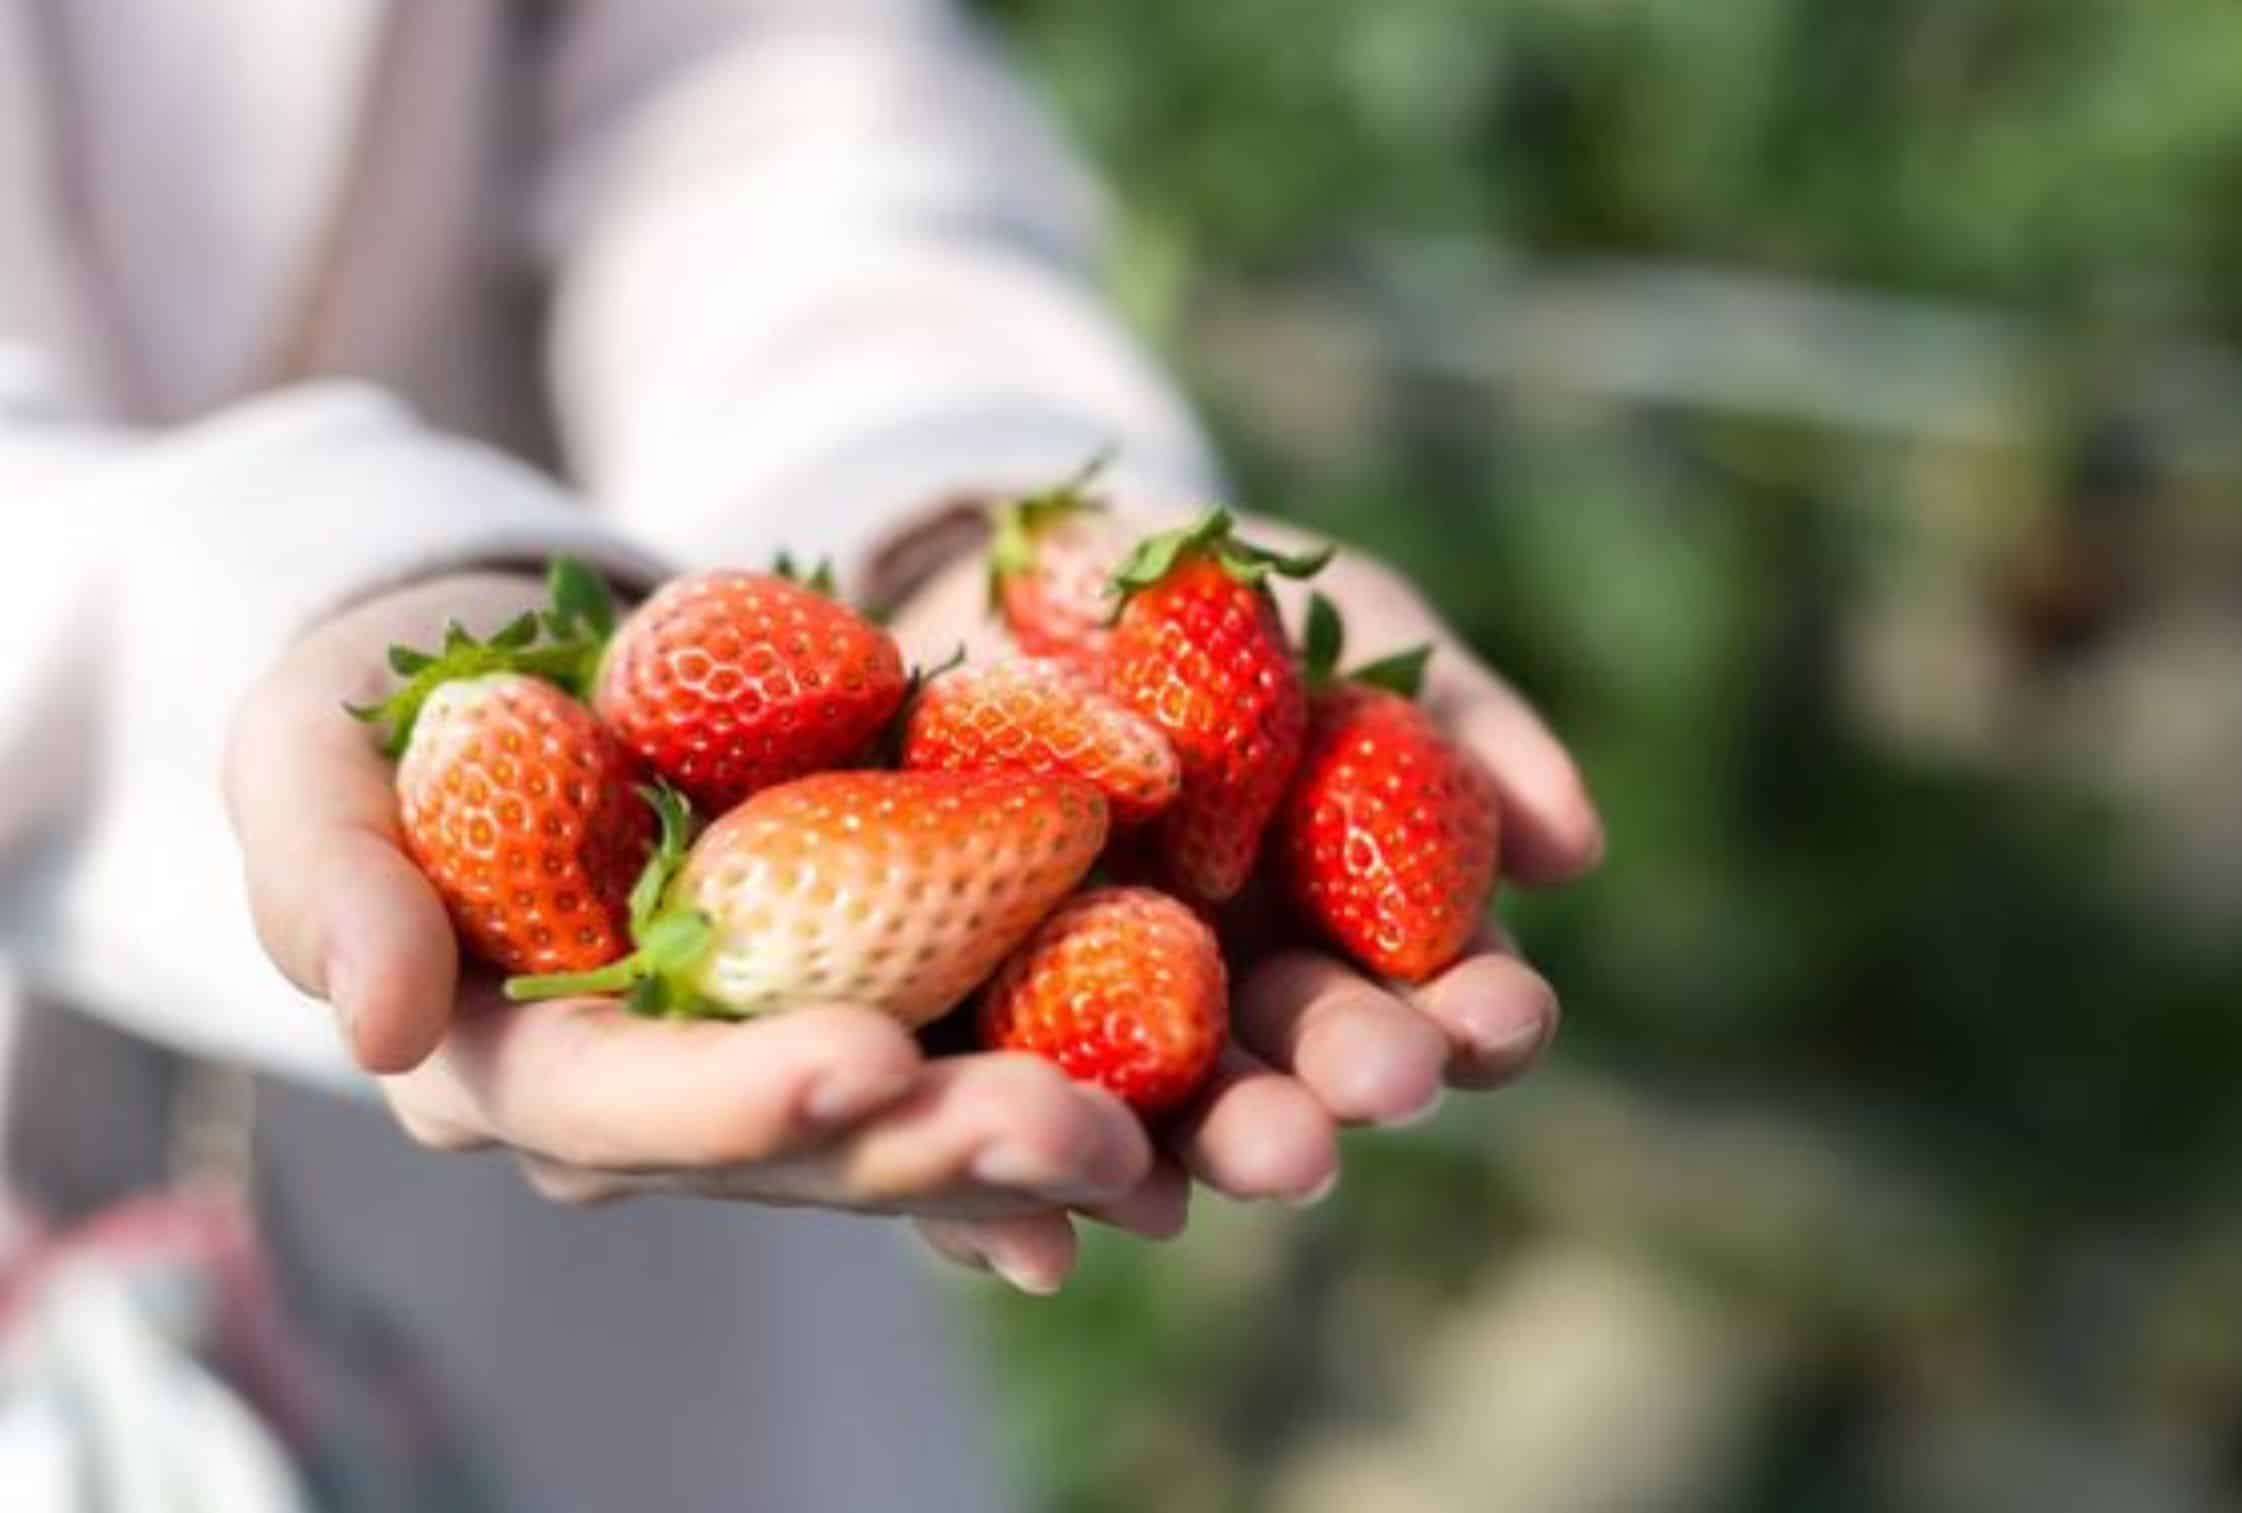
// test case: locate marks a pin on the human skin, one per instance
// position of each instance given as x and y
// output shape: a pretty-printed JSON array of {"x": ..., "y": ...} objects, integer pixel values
[
  {"x": 1320, "y": 1045},
  {"x": 835, "y": 1105}
]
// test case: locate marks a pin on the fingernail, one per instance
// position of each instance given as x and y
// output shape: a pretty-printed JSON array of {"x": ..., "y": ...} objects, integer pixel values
[
  {"x": 1009, "y": 1166},
  {"x": 1021, "y": 1278},
  {"x": 845, "y": 1095},
  {"x": 1595, "y": 844},
  {"x": 1520, "y": 1036},
  {"x": 1122, "y": 1156},
  {"x": 1013, "y": 1167},
  {"x": 1316, "y": 1194},
  {"x": 341, "y": 979},
  {"x": 1422, "y": 1113}
]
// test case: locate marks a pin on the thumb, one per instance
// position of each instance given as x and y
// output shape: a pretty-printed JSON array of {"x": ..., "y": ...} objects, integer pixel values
[
  {"x": 379, "y": 948},
  {"x": 338, "y": 906}
]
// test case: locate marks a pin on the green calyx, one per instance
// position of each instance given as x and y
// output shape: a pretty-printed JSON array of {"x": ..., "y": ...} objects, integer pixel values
[
  {"x": 574, "y": 630},
  {"x": 1326, "y": 639},
  {"x": 1213, "y": 535},
  {"x": 887, "y": 746},
  {"x": 655, "y": 979},
  {"x": 1017, "y": 524},
  {"x": 818, "y": 580}
]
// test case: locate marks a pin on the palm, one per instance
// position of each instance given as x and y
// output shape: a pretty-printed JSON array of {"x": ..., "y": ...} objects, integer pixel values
[{"x": 1318, "y": 1044}]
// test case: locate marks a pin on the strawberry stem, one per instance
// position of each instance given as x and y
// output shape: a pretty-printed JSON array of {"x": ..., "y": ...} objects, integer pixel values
[
  {"x": 653, "y": 976},
  {"x": 675, "y": 816},
  {"x": 616, "y": 977}
]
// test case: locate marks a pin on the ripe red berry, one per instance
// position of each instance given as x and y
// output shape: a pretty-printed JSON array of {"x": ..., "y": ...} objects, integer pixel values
[
  {"x": 728, "y": 682},
  {"x": 1387, "y": 842},
  {"x": 520, "y": 808},
  {"x": 1122, "y": 987},
  {"x": 1037, "y": 715},
  {"x": 1200, "y": 652}
]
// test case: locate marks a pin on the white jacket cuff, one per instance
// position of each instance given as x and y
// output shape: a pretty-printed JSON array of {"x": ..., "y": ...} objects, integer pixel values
[{"x": 215, "y": 547}]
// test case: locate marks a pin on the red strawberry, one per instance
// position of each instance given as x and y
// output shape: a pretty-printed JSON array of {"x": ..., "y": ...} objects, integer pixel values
[
  {"x": 1051, "y": 568},
  {"x": 1387, "y": 840},
  {"x": 514, "y": 800},
  {"x": 1123, "y": 987},
  {"x": 1199, "y": 651},
  {"x": 1039, "y": 715},
  {"x": 898, "y": 890},
  {"x": 728, "y": 682}
]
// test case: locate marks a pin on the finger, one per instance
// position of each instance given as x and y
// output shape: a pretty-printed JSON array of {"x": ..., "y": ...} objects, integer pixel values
[
  {"x": 980, "y": 1136},
  {"x": 1551, "y": 830},
  {"x": 949, "y": 614},
  {"x": 1255, "y": 1133},
  {"x": 338, "y": 906},
  {"x": 587, "y": 1084},
  {"x": 1366, "y": 1056},
  {"x": 1156, "y": 1208},
  {"x": 1497, "y": 1012},
  {"x": 1035, "y": 1252}
]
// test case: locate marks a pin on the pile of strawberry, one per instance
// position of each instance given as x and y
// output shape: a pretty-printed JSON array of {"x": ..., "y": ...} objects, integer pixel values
[{"x": 736, "y": 801}]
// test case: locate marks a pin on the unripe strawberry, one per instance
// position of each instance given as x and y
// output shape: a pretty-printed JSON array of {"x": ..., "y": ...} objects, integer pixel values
[{"x": 896, "y": 890}]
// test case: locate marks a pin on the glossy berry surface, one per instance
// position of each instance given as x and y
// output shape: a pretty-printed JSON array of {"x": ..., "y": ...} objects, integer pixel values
[
  {"x": 898, "y": 890},
  {"x": 1204, "y": 657},
  {"x": 728, "y": 682},
  {"x": 1388, "y": 839},
  {"x": 1122, "y": 987},
  {"x": 520, "y": 808},
  {"x": 1034, "y": 714}
]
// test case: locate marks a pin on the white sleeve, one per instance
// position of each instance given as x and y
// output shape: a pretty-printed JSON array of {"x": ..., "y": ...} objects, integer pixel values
[
  {"x": 818, "y": 262},
  {"x": 159, "y": 575}
]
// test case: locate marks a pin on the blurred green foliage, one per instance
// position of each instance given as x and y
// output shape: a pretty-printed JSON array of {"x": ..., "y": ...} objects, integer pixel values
[
  {"x": 1967, "y": 965},
  {"x": 1980, "y": 146}
]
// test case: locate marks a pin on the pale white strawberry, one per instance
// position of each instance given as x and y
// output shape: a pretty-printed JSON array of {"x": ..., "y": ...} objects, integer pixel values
[{"x": 897, "y": 890}]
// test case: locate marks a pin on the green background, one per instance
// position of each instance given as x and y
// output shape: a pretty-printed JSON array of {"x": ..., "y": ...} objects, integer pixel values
[{"x": 1823, "y": 409}]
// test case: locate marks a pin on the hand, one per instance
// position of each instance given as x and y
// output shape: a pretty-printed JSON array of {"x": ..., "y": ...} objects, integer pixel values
[
  {"x": 831, "y": 1106},
  {"x": 1319, "y": 1045}
]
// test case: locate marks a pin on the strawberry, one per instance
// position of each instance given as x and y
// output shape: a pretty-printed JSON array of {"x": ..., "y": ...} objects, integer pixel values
[
  {"x": 1199, "y": 651},
  {"x": 728, "y": 682},
  {"x": 1123, "y": 987},
  {"x": 515, "y": 801},
  {"x": 897, "y": 890},
  {"x": 1051, "y": 565},
  {"x": 1387, "y": 840},
  {"x": 1039, "y": 715}
]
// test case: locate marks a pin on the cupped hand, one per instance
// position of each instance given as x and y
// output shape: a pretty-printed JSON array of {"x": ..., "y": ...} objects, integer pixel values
[
  {"x": 830, "y": 1106},
  {"x": 1319, "y": 1045}
]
